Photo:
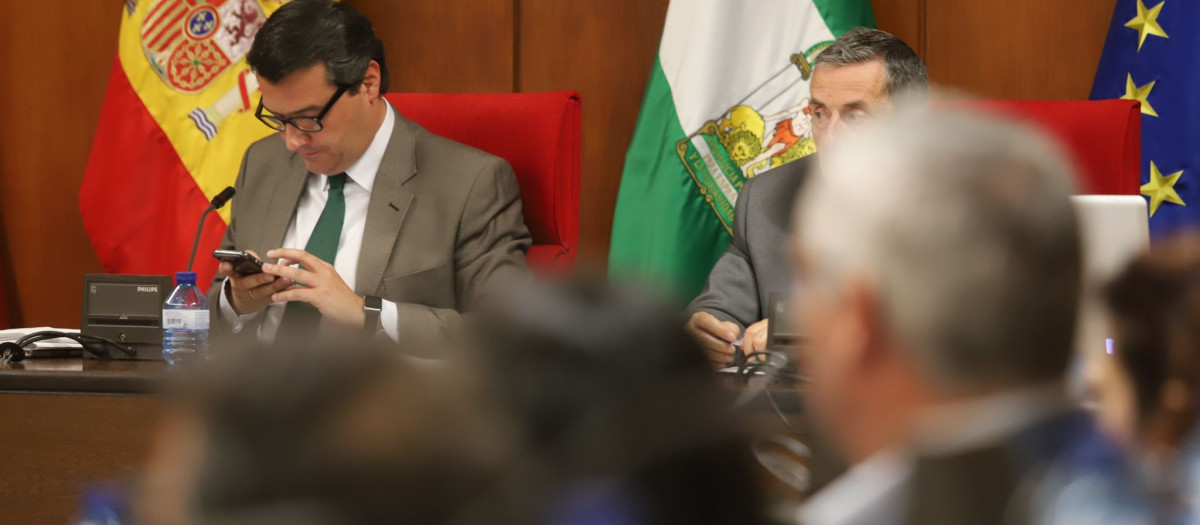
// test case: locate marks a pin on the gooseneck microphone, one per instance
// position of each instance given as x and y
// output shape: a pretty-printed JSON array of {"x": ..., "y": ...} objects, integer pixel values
[{"x": 216, "y": 204}]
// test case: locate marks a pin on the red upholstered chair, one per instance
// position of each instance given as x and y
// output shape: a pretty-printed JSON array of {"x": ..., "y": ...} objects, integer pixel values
[
  {"x": 538, "y": 134},
  {"x": 1103, "y": 137}
]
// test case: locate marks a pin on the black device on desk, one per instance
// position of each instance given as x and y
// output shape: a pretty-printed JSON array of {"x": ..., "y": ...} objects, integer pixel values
[
  {"x": 782, "y": 334},
  {"x": 126, "y": 309}
]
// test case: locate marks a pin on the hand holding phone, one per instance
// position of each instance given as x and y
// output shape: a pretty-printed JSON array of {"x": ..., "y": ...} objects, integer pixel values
[
  {"x": 248, "y": 288},
  {"x": 243, "y": 263}
]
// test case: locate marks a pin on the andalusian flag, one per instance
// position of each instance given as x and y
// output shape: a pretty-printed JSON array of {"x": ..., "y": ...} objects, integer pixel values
[
  {"x": 177, "y": 118},
  {"x": 1150, "y": 56},
  {"x": 726, "y": 100}
]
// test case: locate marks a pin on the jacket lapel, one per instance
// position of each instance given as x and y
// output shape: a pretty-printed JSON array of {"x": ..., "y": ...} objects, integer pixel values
[
  {"x": 389, "y": 203},
  {"x": 284, "y": 201}
]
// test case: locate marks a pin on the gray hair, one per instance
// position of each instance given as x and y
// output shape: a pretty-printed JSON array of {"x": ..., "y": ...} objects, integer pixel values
[
  {"x": 906, "y": 73},
  {"x": 964, "y": 226}
]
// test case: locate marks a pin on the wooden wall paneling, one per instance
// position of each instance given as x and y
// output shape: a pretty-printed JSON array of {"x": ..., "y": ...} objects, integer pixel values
[
  {"x": 903, "y": 18},
  {"x": 1017, "y": 49},
  {"x": 59, "y": 55},
  {"x": 448, "y": 47},
  {"x": 605, "y": 51},
  {"x": 10, "y": 314}
]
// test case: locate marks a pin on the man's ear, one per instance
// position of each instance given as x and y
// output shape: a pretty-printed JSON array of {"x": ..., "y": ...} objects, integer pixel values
[
  {"x": 371, "y": 81},
  {"x": 866, "y": 310}
]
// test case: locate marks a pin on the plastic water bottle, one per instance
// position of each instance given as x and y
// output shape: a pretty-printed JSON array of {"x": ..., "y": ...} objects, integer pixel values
[{"x": 185, "y": 322}]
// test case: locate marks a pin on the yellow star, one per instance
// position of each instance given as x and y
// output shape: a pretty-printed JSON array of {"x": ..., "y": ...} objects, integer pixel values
[
  {"x": 1146, "y": 22},
  {"x": 1140, "y": 94},
  {"x": 1161, "y": 188}
]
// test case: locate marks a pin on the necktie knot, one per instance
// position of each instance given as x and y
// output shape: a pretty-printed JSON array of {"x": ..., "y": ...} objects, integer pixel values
[{"x": 337, "y": 182}]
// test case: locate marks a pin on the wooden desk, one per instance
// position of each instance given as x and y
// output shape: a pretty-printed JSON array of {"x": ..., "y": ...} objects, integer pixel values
[{"x": 68, "y": 424}]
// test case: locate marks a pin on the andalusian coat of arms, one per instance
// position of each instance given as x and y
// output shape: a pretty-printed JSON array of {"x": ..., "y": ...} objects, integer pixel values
[{"x": 743, "y": 142}]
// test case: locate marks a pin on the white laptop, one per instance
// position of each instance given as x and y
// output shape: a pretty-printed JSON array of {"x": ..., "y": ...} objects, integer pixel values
[{"x": 1113, "y": 229}]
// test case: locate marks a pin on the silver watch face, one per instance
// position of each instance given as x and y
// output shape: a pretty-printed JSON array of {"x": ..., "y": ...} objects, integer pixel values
[{"x": 368, "y": 307}]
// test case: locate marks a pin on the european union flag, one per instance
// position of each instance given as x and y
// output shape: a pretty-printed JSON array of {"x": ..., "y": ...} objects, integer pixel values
[{"x": 1153, "y": 55}]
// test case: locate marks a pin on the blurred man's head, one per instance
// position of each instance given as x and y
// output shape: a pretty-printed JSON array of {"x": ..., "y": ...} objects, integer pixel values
[
  {"x": 860, "y": 76},
  {"x": 330, "y": 434},
  {"x": 937, "y": 258},
  {"x": 621, "y": 405},
  {"x": 1148, "y": 395}
]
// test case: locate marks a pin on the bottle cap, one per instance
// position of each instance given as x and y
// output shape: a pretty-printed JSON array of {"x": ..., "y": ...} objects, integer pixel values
[{"x": 185, "y": 277}]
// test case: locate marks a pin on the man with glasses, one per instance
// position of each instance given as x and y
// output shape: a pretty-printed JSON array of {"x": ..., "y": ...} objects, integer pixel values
[
  {"x": 365, "y": 219},
  {"x": 855, "y": 79}
]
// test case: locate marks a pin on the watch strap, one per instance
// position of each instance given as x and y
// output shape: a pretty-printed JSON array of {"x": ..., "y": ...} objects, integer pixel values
[{"x": 372, "y": 308}]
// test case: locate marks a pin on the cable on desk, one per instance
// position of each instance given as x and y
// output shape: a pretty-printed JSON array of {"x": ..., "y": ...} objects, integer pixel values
[{"x": 772, "y": 365}]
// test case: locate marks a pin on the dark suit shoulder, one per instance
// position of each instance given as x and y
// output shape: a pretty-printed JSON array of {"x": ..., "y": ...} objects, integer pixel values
[
  {"x": 770, "y": 195},
  {"x": 783, "y": 181}
]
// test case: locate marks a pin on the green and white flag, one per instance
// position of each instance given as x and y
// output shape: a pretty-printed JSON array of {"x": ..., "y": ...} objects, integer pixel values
[{"x": 726, "y": 101}]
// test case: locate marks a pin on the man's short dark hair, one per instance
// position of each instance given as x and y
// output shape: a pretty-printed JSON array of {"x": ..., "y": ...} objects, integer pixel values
[
  {"x": 304, "y": 33},
  {"x": 1155, "y": 307},
  {"x": 905, "y": 71},
  {"x": 334, "y": 431}
]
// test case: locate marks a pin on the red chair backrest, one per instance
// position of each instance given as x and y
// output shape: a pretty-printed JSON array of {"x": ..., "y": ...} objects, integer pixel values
[
  {"x": 538, "y": 134},
  {"x": 1102, "y": 137}
]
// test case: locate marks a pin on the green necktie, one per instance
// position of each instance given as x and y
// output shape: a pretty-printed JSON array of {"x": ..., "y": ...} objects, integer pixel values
[
  {"x": 325, "y": 235},
  {"x": 301, "y": 317}
]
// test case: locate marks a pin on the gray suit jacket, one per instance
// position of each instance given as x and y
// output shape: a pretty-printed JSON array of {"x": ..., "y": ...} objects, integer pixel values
[
  {"x": 755, "y": 265},
  {"x": 444, "y": 231}
]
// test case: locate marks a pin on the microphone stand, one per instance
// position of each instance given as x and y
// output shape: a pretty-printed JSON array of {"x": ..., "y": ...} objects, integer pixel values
[
  {"x": 196, "y": 243},
  {"x": 217, "y": 202}
]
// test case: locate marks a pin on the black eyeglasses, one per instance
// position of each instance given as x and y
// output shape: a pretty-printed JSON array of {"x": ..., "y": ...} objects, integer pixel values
[{"x": 308, "y": 124}]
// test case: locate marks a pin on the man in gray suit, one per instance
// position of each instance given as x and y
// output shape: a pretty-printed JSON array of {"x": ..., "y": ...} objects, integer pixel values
[
  {"x": 367, "y": 220},
  {"x": 854, "y": 80}
]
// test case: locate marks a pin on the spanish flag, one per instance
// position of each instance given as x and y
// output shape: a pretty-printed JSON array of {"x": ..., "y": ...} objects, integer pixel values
[{"x": 177, "y": 118}]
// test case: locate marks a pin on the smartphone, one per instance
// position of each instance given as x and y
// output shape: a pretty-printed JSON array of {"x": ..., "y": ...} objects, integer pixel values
[{"x": 243, "y": 263}]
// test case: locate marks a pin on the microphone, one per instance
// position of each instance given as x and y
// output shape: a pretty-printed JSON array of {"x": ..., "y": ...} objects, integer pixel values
[
  {"x": 216, "y": 203},
  {"x": 222, "y": 198}
]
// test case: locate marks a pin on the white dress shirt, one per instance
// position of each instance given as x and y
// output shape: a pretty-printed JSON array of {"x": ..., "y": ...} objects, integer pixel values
[{"x": 357, "y": 191}]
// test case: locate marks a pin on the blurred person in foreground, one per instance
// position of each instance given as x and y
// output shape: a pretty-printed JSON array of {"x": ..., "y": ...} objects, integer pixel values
[
  {"x": 622, "y": 408},
  {"x": 938, "y": 273},
  {"x": 580, "y": 405},
  {"x": 854, "y": 80},
  {"x": 329, "y": 434},
  {"x": 1150, "y": 384}
]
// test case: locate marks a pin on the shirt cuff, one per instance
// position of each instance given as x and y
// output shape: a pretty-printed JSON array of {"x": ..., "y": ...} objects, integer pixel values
[
  {"x": 389, "y": 316},
  {"x": 235, "y": 320}
]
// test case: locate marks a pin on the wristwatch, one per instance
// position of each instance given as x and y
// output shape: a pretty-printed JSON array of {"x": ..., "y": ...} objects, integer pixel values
[{"x": 372, "y": 306}]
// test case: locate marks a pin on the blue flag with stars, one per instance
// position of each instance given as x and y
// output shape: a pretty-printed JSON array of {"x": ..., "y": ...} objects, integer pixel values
[{"x": 1152, "y": 55}]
